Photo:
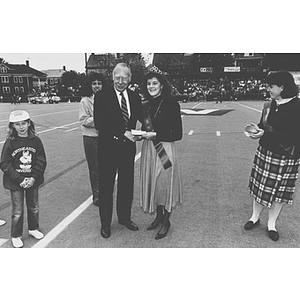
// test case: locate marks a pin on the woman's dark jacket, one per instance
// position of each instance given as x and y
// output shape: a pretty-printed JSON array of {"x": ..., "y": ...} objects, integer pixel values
[
  {"x": 166, "y": 119},
  {"x": 282, "y": 128}
]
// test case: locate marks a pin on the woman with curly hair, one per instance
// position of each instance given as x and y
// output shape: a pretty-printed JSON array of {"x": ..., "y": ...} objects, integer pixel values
[
  {"x": 160, "y": 175},
  {"x": 95, "y": 82}
]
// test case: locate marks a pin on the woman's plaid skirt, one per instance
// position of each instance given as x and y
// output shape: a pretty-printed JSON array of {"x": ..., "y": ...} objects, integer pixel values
[{"x": 273, "y": 177}]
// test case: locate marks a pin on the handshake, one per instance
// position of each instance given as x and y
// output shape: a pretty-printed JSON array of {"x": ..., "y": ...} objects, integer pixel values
[{"x": 27, "y": 183}]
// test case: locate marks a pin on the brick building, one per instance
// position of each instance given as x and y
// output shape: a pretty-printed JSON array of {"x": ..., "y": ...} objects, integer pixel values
[{"x": 19, "y": 80}]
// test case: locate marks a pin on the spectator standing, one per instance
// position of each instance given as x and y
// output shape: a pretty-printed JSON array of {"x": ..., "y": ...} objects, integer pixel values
[
  {"x": 276, "y": 162},
  {"x": 23, "y": 161},
  {"x": 94, "y": 83}
]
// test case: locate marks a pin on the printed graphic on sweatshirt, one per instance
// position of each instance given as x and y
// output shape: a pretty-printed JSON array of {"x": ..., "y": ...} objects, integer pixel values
[
  {"x": 23, "y": 149},
  {"x": 25, "y": 162}
]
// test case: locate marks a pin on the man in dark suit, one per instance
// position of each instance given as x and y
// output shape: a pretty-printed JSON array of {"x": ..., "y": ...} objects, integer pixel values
[{"x": 116, "y": 111}]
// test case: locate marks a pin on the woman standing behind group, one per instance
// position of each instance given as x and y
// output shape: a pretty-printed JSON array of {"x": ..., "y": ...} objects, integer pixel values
[
  {"x": 277, "y": 159},
  {"x": 160, "y": 175},
  {"x": 95, "y": 82}
]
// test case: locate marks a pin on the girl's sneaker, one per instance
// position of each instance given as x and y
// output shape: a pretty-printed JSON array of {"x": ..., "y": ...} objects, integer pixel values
[
  {"x": 36, "y": 234},
  {"x": 2, "y": 222},
  {"x": 17, "y": 242}
]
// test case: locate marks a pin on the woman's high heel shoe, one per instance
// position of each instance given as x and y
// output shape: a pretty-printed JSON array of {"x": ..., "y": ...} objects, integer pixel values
[
  {"x": 154, "y": 224},
  {"x": 158, "y": 219},
  {"x": 163, "y": 231}
]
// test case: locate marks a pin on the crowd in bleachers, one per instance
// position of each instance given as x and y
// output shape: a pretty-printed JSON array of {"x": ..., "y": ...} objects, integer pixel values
[{"x": 224, "y": 89}]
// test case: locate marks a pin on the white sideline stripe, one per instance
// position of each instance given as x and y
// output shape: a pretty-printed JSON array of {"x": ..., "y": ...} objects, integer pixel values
[
  {"x": 50, "y": 236},
  {"x": 41, "y": 115},
  {"x": 3, "y": 241},
  {"x": 58, "y": 127},
  {"x": 51, "y": 129},
  {"x": 218, "y": 133},
  {"x": 63, "y": 224},
  {"x": 249, "y": 107},
  {"x": 191, "y": 132},
  {"x": 197, "y": 105},
  {"x": 72, "y": 129}
]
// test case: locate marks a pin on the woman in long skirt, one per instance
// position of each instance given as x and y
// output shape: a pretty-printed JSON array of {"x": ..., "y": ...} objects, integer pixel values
[{"x": 161, "y": 188}]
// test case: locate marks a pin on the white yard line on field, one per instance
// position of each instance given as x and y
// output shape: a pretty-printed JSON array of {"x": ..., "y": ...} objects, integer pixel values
[
  {"x": 197, "y": 105},
  {"x": 72, "y": 129},
  {"x": 48, "y": 114},
  {"x": 249, "y": 107},
  {"x": 3, "y": 241},
  {"x": 51, "y": 129},
  {"x": 58, "y": 127},
  {"x": 63, "y": 224},
  {"x": 50, "y": 236}
]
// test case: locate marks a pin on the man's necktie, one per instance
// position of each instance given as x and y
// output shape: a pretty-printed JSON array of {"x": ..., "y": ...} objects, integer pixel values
[{"x": 124, "y": 108}]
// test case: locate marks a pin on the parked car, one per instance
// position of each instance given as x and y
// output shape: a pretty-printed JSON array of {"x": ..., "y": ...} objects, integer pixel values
[
  {"x": 38, "y": 99},
  {"x": 35, "y": 100},
  {"x": 31, "y": 99},
  {"x": 54, "y": 99}
]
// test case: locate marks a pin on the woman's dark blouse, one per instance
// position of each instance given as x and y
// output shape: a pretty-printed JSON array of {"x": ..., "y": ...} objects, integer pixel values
[
  {"x": 166, "y": 120},
  {"x": 284, "y": 127}
]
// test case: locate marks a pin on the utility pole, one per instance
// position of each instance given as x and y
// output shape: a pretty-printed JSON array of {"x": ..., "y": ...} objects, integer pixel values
[{"x": 85, "y": 59}]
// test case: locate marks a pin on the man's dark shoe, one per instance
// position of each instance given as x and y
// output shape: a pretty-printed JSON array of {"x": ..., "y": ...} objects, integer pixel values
[
  {"x": 250, "y": 225},
  {"x": 273, "y": 235},
  {"x": 105, "y": 232},
  {"x": 130, "y": 225}
]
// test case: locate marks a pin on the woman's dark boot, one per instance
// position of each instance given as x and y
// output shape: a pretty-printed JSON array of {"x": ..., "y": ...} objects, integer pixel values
[
  {"x": 165, "y": 226},
  {"x": 158, "y": 219}
]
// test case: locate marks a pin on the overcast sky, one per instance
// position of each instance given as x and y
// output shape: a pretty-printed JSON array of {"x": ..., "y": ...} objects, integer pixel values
[{"x": 45, "y": 61}]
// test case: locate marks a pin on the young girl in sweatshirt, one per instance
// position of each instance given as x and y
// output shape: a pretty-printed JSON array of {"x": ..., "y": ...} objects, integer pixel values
[{"x": 23, "y": 162}]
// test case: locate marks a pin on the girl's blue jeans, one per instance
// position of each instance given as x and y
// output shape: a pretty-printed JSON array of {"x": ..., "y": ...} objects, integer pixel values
[{"x": 17, "y": 218}]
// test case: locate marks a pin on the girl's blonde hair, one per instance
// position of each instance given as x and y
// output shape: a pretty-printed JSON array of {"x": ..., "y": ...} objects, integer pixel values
[{"x": 13, "y": 134}]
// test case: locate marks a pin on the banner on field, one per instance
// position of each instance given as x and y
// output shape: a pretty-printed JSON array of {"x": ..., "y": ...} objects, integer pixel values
[
  {"x": 206, "y": 69},
  {"x": 232, "y": 69},
  {"x": 252, "y": 70}
]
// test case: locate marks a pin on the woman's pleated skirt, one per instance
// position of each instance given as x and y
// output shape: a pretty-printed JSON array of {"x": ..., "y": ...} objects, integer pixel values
[
  {"x": 273, "y": 177},
  {"x": 159, "y": 186}
]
